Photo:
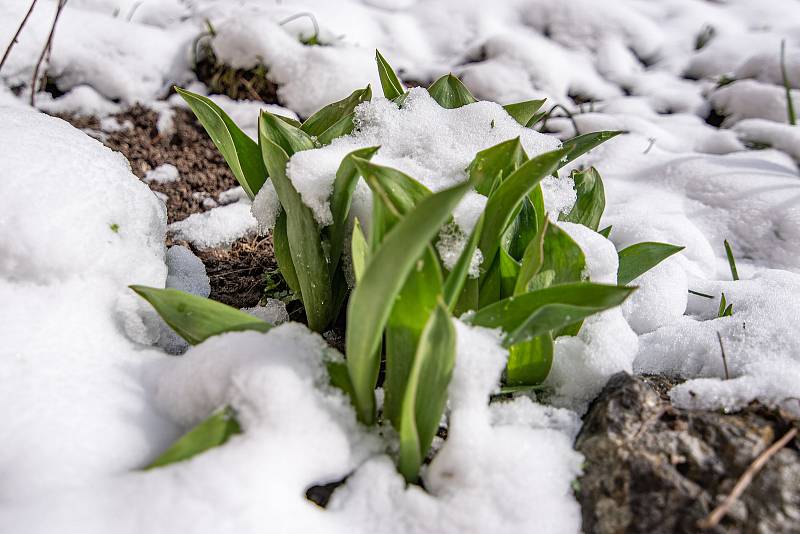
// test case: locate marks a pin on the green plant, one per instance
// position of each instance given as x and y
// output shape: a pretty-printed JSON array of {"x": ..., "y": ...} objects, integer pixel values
[{"x": 531, "y": 282}]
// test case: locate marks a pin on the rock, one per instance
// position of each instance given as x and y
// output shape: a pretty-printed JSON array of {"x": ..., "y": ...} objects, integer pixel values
[{"x": 653, "y": 468}]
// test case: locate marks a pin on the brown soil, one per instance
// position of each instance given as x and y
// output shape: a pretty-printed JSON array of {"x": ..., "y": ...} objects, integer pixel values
[
  {"x": 203, "y": 171},
  {"x": 236, "y": 272}
]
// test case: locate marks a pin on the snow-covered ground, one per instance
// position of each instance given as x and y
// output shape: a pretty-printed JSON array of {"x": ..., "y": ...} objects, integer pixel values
[{"x": 89, "y": 397}]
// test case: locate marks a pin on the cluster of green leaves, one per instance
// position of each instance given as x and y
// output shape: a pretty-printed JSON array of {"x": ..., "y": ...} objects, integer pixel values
[{"x": 531, "y": 282}]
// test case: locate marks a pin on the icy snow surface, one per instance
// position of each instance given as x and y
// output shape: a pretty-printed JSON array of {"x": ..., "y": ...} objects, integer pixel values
[{"x": 88, "y": 399}]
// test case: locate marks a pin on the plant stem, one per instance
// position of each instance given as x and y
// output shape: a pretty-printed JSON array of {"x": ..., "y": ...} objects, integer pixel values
[
  {"x": 45, "y": 50},
  {"x": 16, "y": 35}
]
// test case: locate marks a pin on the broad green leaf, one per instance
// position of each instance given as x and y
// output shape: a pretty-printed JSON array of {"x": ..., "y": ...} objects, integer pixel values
[
  {"x": 502, "y": 204},
  {"x": 591, "y": 199},
  {"x": 333, "y": 114},
  {"x": 305, "y": 242},
  {"x": 469, "y": 298},
  {"x": 532, "y": 260},
  {"x": 522, "y": 230},
  {"x": 537, "y": 199},
  {"x": 343, "y": 187},
  {"x": 581, "y": 144},
  {"x": 240, "y": 152},
  {"x": 450, "y": 93},
  {"x": 529, "y": 362},
  {"x": 212, "y": 432},
  {"x": 637, "y": 259},
  {"x": 360, "y": 251},
  {"x": 500, "y": 160},
  {"x": 524, "y": 112},
  {"x": 426, "y": 394},
  {"x": 280, "y": 244},
  {"x": 398, "y": 191},
  {"x": 195, "y": 318},
  {"x": 337, "y": 373},
  {"x": 289, "y": 138},
  {"x": 372, "y": 299},
  {"x": 499, "y": 281},
  {"x": 524, "y": 317},
  {"x": 390, "y": 83},
  {"x": 562, "y": 255},
  {"x": 410, "y": 312},
  {"x": 455, "y": 281}
]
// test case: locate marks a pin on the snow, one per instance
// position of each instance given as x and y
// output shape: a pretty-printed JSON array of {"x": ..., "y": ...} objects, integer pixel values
[
  {"x": 429, "y": 143},
  {"x": 216, "y": 227},
  {"x": 78, "y": 360},
  {"x": 163, "y": 174},
  {"x": 72, "y": 396}
]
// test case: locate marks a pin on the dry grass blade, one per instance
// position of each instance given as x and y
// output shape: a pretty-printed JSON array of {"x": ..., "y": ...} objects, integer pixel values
[{"x": 719, "y": 512}]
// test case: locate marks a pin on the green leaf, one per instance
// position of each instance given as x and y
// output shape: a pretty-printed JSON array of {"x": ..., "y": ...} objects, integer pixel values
[
  {"x": 637, "y": 259},
  {"x": 532, "y": 260},
  {"x": 529, "y": 362},
  {"x": 335, "y": 120},
  {"x": 426, "y": 394},
  {"x": 725, "y": 309},
  {"x": 287, "y": 137},
  {"x": 390, "y": 83},
  {"x": 360, "y": 251},
  {"x": 524, "y": 112},
  {"x": 398, "y": 191},
  {"x": 787, "y": 86},
  {"x": 499, "y": 281},
  {"x": 522, "y": 230},
  {"x": 591, "y": 199},
  {"x": 305, "y": 242},
  {"x": 410, "y": 313},
  {"x": 195, "y": 318},
  {"x": 240, "y": 152},
  {"x": 455, "y": 281},
  {"x": 524, "y": 317},
  {"x": 605, "y": 232},
  {"x": 502, "y": 204},
  {"x": 337, "y": 373},
  {"x": 581, "y": 144},
  {"x": 372, "y": 299},
  {"x": 343, "y": 187},
  {"x": 562, "y": 255},
  {"x": 500, "y": 160},
  {"x": 212, "y": 432},
  {"x": 450, "y": 93},
  {"x": 731, "y": 261},
  {"x": 283, "y": 256}
]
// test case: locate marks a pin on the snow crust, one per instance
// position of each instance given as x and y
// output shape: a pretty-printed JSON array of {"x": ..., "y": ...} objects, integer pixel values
[{"x": 216, "y": 227}]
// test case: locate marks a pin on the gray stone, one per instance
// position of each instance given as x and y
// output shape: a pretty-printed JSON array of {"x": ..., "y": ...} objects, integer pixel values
[{"x": 653, "y": 468}]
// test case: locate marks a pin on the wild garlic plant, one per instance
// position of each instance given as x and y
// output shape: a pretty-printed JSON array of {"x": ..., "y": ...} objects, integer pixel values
[{"x": 530, "y": 283}]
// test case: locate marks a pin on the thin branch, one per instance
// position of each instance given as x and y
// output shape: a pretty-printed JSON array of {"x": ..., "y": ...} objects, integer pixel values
[
  {"x": 16, "y": 35},
  {"x": 45, "y": 50},
  {"x": 719, "y": 512}
]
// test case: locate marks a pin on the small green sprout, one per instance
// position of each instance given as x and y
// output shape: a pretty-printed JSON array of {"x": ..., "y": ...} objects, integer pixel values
[
  {"x": 792, "y": 117},
  {"x": 731, "y": 260},
  {"x": 114, "y": 227}
]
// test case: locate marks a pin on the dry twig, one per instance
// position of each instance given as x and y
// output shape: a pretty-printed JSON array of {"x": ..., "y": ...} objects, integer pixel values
[
  {"x": 719, "y": 512},
  {"x": 16, "y": 35},
  {"x": 46, "y": 50}
]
